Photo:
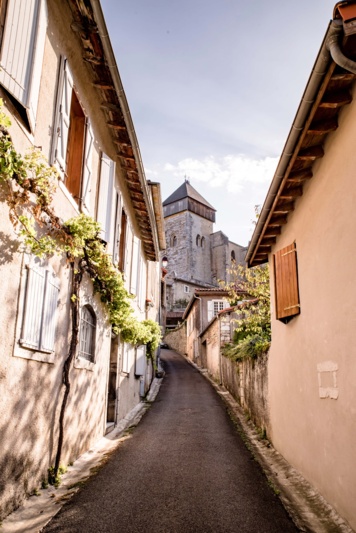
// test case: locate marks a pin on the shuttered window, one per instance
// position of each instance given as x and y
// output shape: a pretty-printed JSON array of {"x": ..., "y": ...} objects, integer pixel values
[
  {"x": 286, "y": 283},
  {"x": 135, "y": 265},
  {"x": 127, "y": 358},
  {"x": 215, "y": 306},
  {"x": 106, "y": 196},
  {"x": 22, "y": 50},
  {"x": 39, "y": 319},
  {"x": 73, "y": 140}
]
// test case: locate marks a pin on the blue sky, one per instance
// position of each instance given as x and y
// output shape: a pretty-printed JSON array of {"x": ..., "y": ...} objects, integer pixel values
[{"x": 213, "y": 87}]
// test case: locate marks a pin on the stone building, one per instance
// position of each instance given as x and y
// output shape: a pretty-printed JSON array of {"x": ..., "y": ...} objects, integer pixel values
[{"x": 197, "y": 256}]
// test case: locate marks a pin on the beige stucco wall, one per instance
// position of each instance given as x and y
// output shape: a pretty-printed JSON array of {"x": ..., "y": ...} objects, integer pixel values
[
  {"x": 211, "y": 349},
  {"x": 317, "y": 435},
  {"x": 31, "y": 390},
  {"x": 177, "y": 339}
]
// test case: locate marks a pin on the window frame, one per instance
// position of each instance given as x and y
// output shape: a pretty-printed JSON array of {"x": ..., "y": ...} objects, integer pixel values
[{"x": 89, "y": 356}]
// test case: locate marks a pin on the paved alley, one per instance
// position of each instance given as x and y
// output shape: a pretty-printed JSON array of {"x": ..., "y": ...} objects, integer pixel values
[{"x": 184, "y": 469}]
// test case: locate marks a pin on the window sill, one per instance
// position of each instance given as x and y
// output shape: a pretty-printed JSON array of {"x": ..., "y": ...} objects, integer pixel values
[
  {"x": 33, "y": 355},
  {"x": 83, "y": 364}
]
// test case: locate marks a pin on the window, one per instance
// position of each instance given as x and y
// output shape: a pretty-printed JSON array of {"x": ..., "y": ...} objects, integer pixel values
[
  {"x": 122, "y": 241},
  {"x": 286, "y": 283},
  {"x": 40, "y": 309},
  {"x": 233, "y": 257},
  {"x": 73, "y": 140},
  {"x": 203, "y": 242},
  {"x": 173, "y": 240},
  {"x": 198, "y": 240},
  {"x": 215, "y": 306},
  {"x": 87, "y": 333},
  {"x": 186, "y": 289},
  {"x": 22, "y": 51},
  {"x": 134, "y": 282},
  {"x": 127, "y": 358},
  {"x": 106, "y": 195}
]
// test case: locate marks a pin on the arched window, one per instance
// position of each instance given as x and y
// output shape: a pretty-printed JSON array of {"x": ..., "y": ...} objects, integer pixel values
[
  {"x": 233, "y": 258},
  {"x": 198, "y": 240},
  {"x": 87, "y": 333},
  {"x": 173, "y": 240},
  {"x": 203, "y": 242}
]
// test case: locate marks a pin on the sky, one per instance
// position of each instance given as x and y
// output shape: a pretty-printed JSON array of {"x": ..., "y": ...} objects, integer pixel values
[{"x": 213, "y": 87}]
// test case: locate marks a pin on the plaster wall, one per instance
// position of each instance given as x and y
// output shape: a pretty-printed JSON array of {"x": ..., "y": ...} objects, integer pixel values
[
  {"x": 177, "y": 339},
  {"x": 314, "y": 432},
  {"x": 31, "y": 386}
]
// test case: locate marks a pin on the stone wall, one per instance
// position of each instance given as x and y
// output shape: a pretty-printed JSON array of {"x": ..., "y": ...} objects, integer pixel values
[
  {"x": 247, "y": 381},
  {"x": 177, "y": 339}
]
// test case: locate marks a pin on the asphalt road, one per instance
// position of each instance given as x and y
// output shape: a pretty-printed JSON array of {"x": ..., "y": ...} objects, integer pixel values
[{"x": 184, "y": 469}]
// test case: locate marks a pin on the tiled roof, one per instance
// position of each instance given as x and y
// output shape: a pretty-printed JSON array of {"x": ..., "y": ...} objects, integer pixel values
[{"x": 187, "y": 191}]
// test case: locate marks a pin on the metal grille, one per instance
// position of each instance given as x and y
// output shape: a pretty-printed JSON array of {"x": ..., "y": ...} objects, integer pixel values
[{"x": 87, "y": 334}]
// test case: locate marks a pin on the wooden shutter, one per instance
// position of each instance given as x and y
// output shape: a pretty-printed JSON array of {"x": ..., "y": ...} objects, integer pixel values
[
  {"x": 49, "y": 315},
  {"x": 140, "y": 362},
  {"x": 22, "y": 52},
  {"x": 107, "y": 169},
  {"x": 117, "y": 225},
  {"x": 34, "y": 299},
  {"x": 134, "y": 264},
  {"x": 39, "y": 320},
  {"x": 210, "y": 310},
  {"x": 60, "y": 139},
  {"x": 87, "y": 167},
  {"x": 286, "y": 283}
]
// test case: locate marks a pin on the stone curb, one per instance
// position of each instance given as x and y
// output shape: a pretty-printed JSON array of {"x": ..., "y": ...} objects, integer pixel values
[
  {"x": 37, "y": 511},
  {"x": 309, "y": 511}
]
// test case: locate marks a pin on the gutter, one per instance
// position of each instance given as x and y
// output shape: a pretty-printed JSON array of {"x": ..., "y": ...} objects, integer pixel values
[
  {"x": 329, "y": 51},
  {"x": 111, "y": 62}
]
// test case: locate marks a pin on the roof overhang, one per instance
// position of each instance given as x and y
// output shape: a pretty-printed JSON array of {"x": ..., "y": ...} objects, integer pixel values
[
  {"x": 89, "y": 25},
  {"x": 328, "y": 90}
]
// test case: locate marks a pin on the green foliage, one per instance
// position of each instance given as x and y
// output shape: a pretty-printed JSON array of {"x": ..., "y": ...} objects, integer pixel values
[
  {"x": 250, "y": 288},
  {"x": 55, "y": 478},
  {"x": 32, "y": 183},
  {"x": 251, "y": 347}
]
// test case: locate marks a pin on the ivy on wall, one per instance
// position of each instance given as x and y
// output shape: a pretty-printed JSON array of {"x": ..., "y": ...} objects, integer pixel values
[{"x": 31, "y": 184}]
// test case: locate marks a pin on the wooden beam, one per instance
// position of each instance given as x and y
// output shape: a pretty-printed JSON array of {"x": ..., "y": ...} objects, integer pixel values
[
  {"x": 95, "y": 60},
  {"x": 310, "y": 154},
  {"x": 323, "y": 126},
  {"x": 293, "y": 192},
  {"x": 267, "y": 241},
  {"x": 343, "y": 76},
  {"x": 277, "y": 221},
  {"x": 104, "y": 85},
  {"x": 272, "y": 231},
  {"x": 115, "y": 126},
  {"x": 111, "y": 106},
  {"x": 335, "y": 100},
  {"x": 299, "y": 176},
  {"x": 266, "y": 247},
  {"x": 284, "y": 208}
]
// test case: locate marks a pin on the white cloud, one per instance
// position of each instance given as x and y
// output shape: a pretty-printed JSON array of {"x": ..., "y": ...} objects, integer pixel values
[{"x": 233, "y": 172}]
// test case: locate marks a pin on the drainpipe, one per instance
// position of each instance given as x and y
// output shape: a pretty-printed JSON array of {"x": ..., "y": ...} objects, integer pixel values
[
  {"x": 332, "y": 44},
  {"x": 330, "y": 49}
]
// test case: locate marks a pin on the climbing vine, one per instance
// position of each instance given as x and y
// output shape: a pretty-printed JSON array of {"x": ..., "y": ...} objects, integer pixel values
[{"x": 31, "y": 184}]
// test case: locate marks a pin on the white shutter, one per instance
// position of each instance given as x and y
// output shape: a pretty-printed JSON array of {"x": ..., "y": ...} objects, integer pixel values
[
  {"x": 140, "y": 363},
  {"x": 49, "y": 315},
  {"x": 134, "y": 264},
  {"x": 226, "y": 304},
  {"x": 210, "y": 310},
  {"x": 127, "y": 358},
  {"x": 22, "y": 52},
  {"x": 107, "y": 169},
  {"x": 87, "y": 167},
  {"x": 34, "y": 299},
  {"x": 117, "y": 225},
  {"x": 128, "y": 250},
  {"x": 65, "y": 89},
  {"x": 143, "y": 283}
]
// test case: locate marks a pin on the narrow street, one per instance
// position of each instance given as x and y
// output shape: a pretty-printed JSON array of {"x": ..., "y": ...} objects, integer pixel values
[{"x": 184, "y": 469}]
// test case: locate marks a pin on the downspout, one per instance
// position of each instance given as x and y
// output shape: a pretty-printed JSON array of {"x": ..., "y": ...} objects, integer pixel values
[
  {"x": 333, "y": 46},
  {"x": 330, "y": 49}
]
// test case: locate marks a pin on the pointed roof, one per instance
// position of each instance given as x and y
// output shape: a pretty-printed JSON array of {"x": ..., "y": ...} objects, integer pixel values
[{"x": 187, "y": 191}]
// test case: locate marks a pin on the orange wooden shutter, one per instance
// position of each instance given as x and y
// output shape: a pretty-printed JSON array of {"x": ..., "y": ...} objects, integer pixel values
[{"x": 286, "y": 283}]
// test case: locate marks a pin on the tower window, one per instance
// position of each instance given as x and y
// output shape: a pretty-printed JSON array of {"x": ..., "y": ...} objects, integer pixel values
[
  {"x": 203, "y": 242},
  {"x": 198, "y": 240},
  {"x": 173, "y": 240},
  {"x": 233, "y": 258}
]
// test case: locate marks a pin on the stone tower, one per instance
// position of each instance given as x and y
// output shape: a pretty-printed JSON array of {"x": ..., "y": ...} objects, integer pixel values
[{"x": 197, "y": 257}]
